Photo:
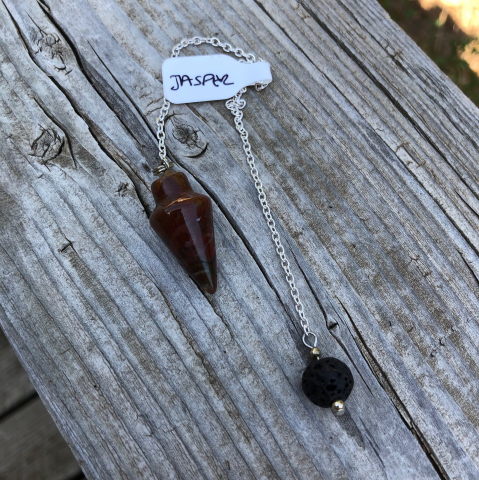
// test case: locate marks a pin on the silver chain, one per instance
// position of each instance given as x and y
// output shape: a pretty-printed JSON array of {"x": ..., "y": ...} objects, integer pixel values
[
  {"x": 165, "y": 163},
  {"x": 236, "y": 105}
]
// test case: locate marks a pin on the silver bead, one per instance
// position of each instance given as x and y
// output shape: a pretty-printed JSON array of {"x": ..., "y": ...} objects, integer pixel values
[
  {"x": 315, "y": 352},
  {"x": 338, "y": 408}
]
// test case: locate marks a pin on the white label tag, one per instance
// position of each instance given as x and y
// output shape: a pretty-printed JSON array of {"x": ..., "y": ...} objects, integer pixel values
[{"x": 201, "y": 78}]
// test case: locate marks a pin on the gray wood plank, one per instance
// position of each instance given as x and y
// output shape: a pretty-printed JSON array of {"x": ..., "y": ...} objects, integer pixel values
[
  {"x": 32, "y": 447},
  {"x": 369, "y": 157},
  {"x": 15, "y": 387}
]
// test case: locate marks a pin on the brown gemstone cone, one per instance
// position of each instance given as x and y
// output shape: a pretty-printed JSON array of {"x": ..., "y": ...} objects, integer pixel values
[{"x": 184, "y": 221}]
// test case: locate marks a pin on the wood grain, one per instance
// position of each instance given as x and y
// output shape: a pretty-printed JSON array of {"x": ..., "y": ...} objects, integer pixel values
[{"x": 369, "y": 158}]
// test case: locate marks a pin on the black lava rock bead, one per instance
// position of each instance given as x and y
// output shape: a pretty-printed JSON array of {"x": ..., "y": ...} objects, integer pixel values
[{"x": 327, "y": 380}]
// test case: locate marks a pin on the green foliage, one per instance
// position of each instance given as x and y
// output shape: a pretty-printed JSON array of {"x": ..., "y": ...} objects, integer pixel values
[{"x": 443, "y": 42}]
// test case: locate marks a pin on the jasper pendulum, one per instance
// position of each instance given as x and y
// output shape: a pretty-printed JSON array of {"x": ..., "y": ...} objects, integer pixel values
[{"x": 184, "y": 220}]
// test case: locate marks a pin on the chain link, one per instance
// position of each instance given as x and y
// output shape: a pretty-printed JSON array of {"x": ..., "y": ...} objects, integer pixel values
[{"x": 236, "y": 105}]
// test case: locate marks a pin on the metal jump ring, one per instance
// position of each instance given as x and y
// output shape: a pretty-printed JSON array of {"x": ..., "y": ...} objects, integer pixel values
[{"x": 307, "y": 343}]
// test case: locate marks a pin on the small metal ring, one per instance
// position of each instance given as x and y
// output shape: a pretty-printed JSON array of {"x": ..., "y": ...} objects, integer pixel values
[
  {"x": 162, "y": 168},
  {"x": 307, "y": 343}
]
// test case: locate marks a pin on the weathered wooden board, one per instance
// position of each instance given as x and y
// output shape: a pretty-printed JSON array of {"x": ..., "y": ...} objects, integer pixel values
[{"x": 369, "y": 157}]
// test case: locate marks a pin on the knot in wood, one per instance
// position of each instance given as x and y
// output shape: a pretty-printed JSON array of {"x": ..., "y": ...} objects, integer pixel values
[
  {"x": 189, "y": 139},
  {"x": 48, "y": 42},
  {"x": 54, "y": 50},
  {"x": 47, "y": 145}
]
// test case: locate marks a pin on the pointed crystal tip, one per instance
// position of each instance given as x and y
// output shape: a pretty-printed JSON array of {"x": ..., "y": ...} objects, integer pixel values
[{"x": 205, "y": 276}]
